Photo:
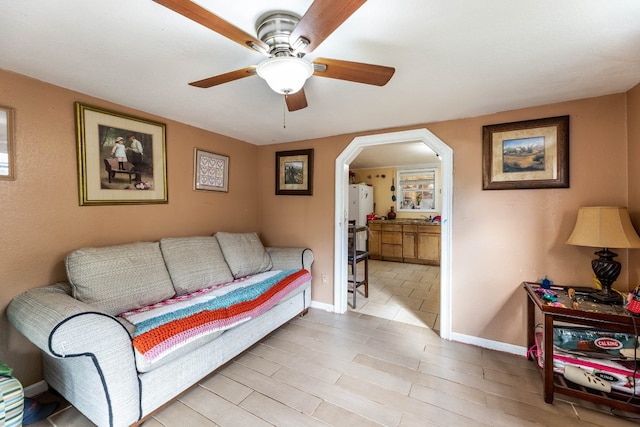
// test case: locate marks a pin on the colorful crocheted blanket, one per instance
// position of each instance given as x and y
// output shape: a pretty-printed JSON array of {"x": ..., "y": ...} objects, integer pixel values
[{"x": 162, "y": 327}]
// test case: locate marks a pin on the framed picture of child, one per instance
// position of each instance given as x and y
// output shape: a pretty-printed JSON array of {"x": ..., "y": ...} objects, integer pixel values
[{"x": 121, "y": 158}]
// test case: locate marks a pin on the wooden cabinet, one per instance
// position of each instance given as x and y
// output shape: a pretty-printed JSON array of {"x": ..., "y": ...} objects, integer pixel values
[
  {"x": 428, "y": 244},
  {"x": 391, "y": 242},
  {"x": 405, "y": 242},
  {"x": 374, "y": 241},
  {"x": 409, "y": 240}
]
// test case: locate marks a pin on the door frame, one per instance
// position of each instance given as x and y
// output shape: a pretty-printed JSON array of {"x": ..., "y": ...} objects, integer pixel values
[{"x": 342, "y": 214}]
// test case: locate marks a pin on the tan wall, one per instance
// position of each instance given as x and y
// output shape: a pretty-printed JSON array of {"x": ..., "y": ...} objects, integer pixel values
[
  {"x": 41, "y": 218},
  {"x": 633, "y": 158},
  {"x": 500, "y": 238},
  {"x": 381, "y": 186}
]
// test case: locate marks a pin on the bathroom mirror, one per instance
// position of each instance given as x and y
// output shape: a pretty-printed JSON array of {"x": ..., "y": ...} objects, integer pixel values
[{"x": 7, "y": 157}]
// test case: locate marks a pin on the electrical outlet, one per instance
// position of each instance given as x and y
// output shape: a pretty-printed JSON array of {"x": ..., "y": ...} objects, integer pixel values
[{"x": 325, "y": 279}]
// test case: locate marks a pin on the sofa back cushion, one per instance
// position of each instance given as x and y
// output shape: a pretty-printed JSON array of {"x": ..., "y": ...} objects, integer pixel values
[
  {"x": 194, "y": 263},
  {"x": 119, "y": 278},
  {"x": 244, "y": 253}
]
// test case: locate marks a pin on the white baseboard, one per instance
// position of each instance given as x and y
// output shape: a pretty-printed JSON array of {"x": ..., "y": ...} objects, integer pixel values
[
  {"x": 36, "y": 389},
  {"x": 490, "y": 344},
  {"x": 322, "y": 306}
]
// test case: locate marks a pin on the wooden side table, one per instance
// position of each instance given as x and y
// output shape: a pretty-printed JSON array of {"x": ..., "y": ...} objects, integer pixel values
[{"x": 602, "y": 316}]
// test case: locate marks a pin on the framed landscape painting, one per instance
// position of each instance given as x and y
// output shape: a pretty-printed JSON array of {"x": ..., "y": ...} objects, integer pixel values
[
  {"x": 527, "y": 154},
  {"x": 294, "y": 172},
  {"x": 121, "y": 158}
]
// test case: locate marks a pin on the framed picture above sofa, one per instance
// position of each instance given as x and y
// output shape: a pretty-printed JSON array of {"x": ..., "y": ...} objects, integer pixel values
[
  {"x": 7, "y": 149},
  {"x": 294, "y": 172},
  {"x": 211, "y": 171},
  {"x": 121, "y": 158}
]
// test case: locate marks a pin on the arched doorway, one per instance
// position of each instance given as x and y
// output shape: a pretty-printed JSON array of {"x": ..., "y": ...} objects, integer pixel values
[{"x": 341, "y": 214}]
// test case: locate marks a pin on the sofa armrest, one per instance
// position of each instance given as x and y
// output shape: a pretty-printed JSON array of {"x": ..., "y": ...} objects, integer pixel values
[
  {"x": 67, "y": 329},
  {"x": 62, "y": 326},
  {"x": 291, "y": 258},
  {"x": 38, "y": 312}
]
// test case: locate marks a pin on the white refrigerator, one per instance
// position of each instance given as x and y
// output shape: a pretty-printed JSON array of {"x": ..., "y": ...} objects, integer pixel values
[{"x": 360, "y": 205}]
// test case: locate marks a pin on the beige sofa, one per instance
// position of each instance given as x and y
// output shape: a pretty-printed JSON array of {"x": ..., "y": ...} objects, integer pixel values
[{"x": 103, "y": 333}]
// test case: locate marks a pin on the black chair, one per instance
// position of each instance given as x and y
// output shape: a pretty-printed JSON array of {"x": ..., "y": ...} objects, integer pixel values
[{"x": 355, "y": 256}]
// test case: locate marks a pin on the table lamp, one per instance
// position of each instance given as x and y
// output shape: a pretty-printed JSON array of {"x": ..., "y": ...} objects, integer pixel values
[{"x": 605, "y": 227}]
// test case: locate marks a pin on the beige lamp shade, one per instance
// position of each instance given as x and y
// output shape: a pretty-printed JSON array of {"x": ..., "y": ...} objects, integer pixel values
[{"x": 604, "y": 227}]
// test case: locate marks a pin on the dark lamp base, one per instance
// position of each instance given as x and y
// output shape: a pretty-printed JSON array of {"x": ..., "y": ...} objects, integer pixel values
[
  {"x": 606, "y": 269},
  {"x": 607, "y": 297}
]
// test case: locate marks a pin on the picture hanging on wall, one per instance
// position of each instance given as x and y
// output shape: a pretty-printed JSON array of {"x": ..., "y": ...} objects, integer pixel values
[
  {"x": 294, "y": 173},
  {"x": 7, "y": 150},
  {"x": 527, "y": 154},
  {"x": 121, "y": 158},
  {"x": 211, "y": 171}
]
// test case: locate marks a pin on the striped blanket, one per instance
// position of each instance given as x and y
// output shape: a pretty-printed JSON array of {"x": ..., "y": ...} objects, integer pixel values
[{"x": 162, "y": 328}]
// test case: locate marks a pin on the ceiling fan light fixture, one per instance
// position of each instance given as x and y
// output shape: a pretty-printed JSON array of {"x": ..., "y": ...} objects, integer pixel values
[{"x": 285, "y": 74}]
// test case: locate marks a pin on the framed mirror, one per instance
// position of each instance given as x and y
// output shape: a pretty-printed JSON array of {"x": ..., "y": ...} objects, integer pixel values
[{"x": 7, "y": 150}]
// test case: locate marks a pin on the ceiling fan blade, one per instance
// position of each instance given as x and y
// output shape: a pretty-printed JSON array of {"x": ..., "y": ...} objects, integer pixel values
[
  {"x": 296, "y": 101},
  {"x": 354, "y": 71},
  {"x": 204, "y": 17},
  {"x": 321, "y": 19},
  {"x": 225, "y": 78}
]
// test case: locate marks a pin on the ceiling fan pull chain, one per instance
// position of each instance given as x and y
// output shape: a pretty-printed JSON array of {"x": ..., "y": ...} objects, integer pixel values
[{"x": 284, "y": 112}]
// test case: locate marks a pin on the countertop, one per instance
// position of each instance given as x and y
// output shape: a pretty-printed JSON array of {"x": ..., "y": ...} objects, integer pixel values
[{"x": 404, "y": 221}]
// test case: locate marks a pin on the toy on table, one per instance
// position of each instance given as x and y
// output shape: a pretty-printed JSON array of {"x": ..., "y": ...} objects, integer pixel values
[
  {"x": 572, "y": 296},
  {"x": 549, "y": 296}
]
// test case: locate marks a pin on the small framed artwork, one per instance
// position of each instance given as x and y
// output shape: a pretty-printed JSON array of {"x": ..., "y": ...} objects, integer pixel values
[
  {"x": 7, "y": 153},
  {"x": 294, "y": 172},
  {"x": 121, "y": 158},
  {"x": 211, "y": 171},
  {"x": 527, "y": 154}
]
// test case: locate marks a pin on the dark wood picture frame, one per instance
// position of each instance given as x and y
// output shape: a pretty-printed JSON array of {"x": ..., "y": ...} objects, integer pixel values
[
  {"x": 294, "y": 172},
  {"x": 526, "y": 155}
]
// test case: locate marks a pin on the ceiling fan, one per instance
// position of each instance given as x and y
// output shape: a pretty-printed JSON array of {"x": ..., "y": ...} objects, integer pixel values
[{"x": 285, "y": 38}]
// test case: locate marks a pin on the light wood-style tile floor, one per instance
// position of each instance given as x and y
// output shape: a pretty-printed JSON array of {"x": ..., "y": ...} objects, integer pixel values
[
  {"x": 408, "y": 293},
  {"x": 358, "y": 370}
]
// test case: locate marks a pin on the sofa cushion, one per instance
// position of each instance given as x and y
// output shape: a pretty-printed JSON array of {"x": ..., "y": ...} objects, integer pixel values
[
  {"x": 119, "y": 278},
  {"x": 244, "y": 253},
  {"x": 194, "y": 263}
]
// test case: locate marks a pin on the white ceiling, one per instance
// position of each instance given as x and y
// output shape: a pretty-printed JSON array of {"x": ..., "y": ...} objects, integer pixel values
[
  {"x": 390, "y": 155},
  {"x": 453, "y": 59}
]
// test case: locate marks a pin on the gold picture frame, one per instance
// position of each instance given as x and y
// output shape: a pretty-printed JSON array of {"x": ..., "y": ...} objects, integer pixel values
[
  {"x": 527, "y": 154},
  {"x": 7, "y": 144},
  {"x": 294, "y": 172},
  {"x": 210, "y": 171},
  {"x": 121, "y": 158}
]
